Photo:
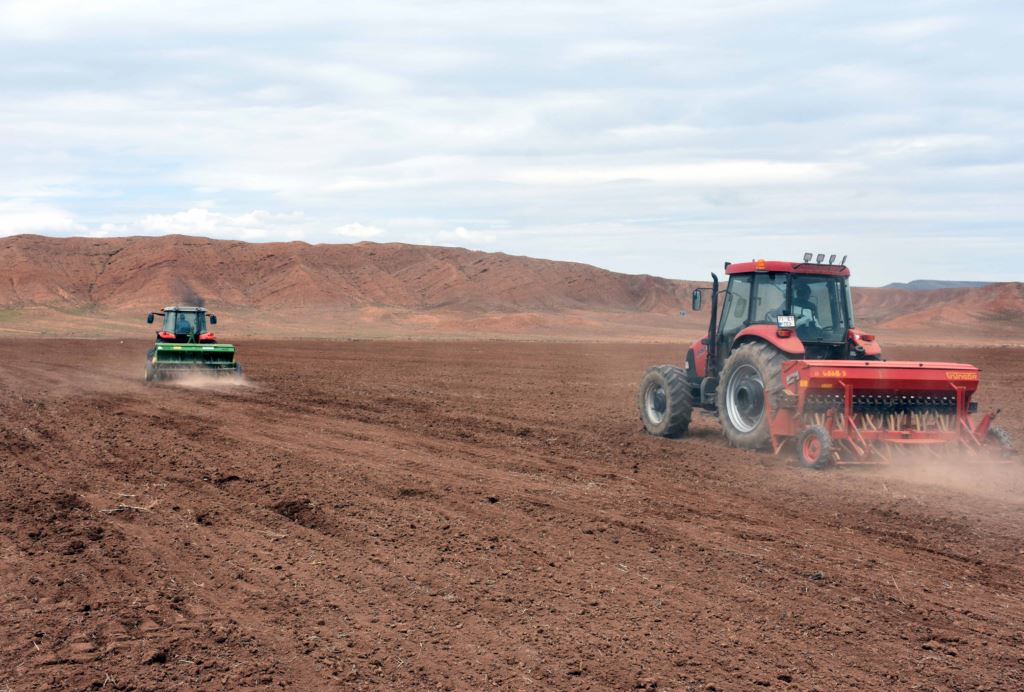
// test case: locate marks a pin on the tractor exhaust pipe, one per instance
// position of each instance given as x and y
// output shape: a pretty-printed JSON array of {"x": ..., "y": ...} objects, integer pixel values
[{"x": 712, "y": 339}]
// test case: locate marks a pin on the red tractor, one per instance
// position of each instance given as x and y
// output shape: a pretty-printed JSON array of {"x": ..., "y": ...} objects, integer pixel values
[{"x": 785, "y": 367}]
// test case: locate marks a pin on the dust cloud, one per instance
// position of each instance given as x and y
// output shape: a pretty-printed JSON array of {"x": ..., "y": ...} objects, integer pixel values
[
  {"x": 969, "y": 473},
  {"x": 208, "y": 381}
]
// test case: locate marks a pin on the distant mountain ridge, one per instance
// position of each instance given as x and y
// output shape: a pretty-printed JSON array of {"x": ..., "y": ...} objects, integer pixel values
[
  {"x": 988, "y": 313},
  {"x": 104, "y": 286},
  {"x": 134, "y": 272},
  {"x": 936, "y": 284}
]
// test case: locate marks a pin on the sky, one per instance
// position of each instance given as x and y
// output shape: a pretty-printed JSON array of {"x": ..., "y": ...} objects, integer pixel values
[{"x": 660, "y": 137}]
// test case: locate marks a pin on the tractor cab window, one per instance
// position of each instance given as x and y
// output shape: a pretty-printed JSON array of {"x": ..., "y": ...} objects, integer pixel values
[
  {"x": 819, "y": 305},
  {"x": 184, "y": 323},
  {"x": 769, "y": 296},
  {"x": 736, "y": 309}
]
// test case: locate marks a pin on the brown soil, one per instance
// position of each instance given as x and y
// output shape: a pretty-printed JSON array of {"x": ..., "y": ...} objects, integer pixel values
[{"x": 473, "y": 514}]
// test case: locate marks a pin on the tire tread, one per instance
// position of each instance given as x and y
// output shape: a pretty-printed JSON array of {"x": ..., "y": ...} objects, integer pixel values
[
  {"x": 680, "y": 400},
  {"x": 769, "y": 362}
]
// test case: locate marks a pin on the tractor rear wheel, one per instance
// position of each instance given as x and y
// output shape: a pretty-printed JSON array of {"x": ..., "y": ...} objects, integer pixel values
[
  {"x": 751, "y": 377},
  {"x": 666, "y": 402}
]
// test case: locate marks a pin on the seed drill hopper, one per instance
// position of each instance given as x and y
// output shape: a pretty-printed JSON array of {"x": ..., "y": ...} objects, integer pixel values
[
  {"x": 785, "y": 368},
  {"x": 183, "y": 345}
]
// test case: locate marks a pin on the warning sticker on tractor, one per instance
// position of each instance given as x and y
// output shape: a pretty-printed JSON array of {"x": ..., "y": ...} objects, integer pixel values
[{"x": 960, "y": 375}]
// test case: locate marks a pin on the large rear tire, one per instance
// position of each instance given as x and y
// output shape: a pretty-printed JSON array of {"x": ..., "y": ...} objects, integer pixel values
[
  {"x": 666, "y": 401},
  {"x": 751, "y": 376}
]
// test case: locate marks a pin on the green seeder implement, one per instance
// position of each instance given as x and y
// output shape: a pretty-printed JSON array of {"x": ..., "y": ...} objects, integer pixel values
[
  {"x": 168, "y": 360},
  {"x": 183, "y": 346}
]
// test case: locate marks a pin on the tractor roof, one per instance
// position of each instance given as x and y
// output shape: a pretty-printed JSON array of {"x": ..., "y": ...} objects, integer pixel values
[
  {"x": 787, "y": 267},
  {"x": 184, "y": 308}
]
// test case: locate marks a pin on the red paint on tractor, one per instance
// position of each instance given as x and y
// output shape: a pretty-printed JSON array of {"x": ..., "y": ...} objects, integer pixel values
[
  {"x": 787, "y": 268},
  {"x": 789, "y": 345},
  {"x": 866, "y": 343},
  {"x": 700, "y": 357}
]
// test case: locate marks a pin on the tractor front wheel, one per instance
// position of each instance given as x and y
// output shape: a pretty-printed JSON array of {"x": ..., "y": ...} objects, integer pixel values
[
  {"x": 751, "y": 381},
  {"x": 666, "y": 402}
]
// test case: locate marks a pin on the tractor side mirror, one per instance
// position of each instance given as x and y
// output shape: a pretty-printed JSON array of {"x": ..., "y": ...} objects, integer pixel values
[
  {"x": 213, "y": 319},
  {"x": 149, "y": 318},
  {"x": 698, "y": 298}
]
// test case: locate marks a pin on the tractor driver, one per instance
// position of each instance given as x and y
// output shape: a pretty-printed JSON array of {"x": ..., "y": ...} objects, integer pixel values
[
  {"x": 184, "y": 324},
  {"x": 804, "y": 309}
]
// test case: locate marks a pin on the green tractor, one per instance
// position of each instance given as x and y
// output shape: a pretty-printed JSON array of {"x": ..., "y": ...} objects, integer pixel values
[{"x": 184, "y": 346}]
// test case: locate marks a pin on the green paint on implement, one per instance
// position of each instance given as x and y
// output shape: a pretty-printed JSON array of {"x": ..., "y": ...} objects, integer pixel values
[
  {"x": 170, "y": 360},
  {"x": 194, "y": 354}
]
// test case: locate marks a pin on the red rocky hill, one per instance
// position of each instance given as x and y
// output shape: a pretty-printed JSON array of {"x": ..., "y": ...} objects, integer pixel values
[{"x": 104, "y": 285}]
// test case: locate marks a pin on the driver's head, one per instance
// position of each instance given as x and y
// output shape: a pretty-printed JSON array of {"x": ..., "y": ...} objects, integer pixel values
[{"x": 803, "y": 293}]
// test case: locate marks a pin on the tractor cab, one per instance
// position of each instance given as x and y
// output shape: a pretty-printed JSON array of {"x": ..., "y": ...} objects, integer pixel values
[
  {"x": 803, "y": 309},
  {"x": 183, "y": 325},
  {"x": 807, "y": 301}
]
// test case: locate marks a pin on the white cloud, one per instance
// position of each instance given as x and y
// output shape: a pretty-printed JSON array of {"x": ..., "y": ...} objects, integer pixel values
[
  {"x": 358, "y": 230},
  {"x": 866, "y": 78},
  {"x": 924, "y": 145},
  {"x": 648, "y": 131},
  {"x": 613, "y": 50},
  {"x": 28, "y": 217},
  {"x": 711, "y": 173},
  {"x": 909, "y": 29},
  {"x": 254, "y": 225},
  {"x": 109, "y": 229},
  {"x": 390, "y": 19},
  {"x": 464, "y": 235}
]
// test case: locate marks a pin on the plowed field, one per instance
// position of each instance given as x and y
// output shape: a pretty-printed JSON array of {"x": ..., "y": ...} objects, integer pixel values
[{"x": 467, "y": 515}]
